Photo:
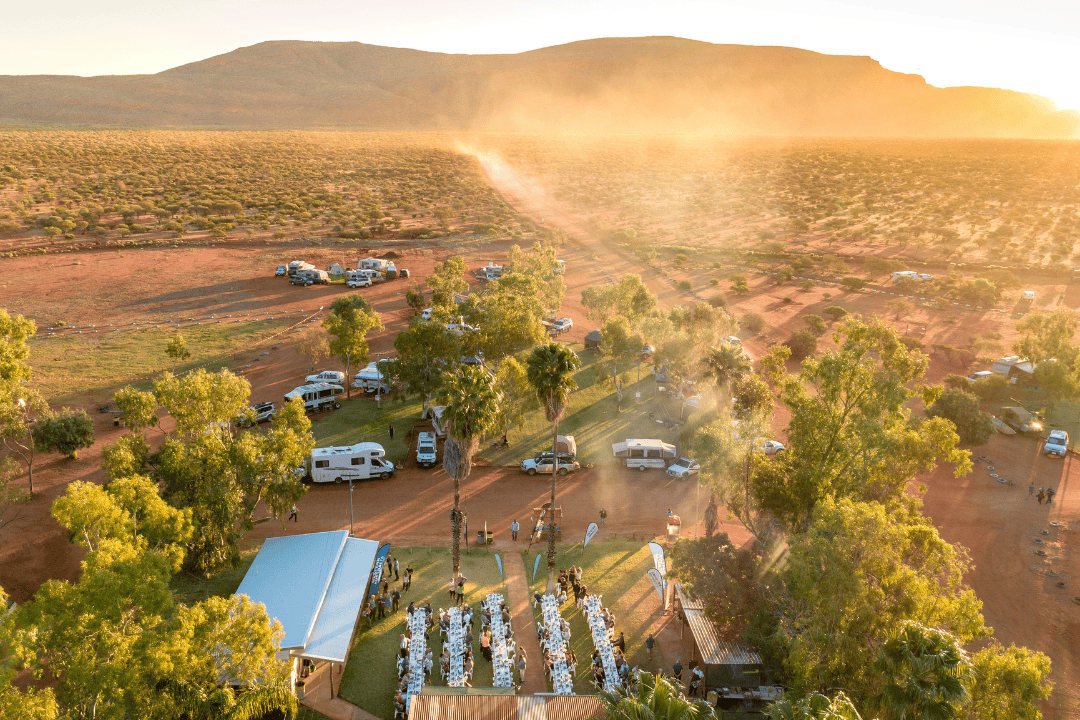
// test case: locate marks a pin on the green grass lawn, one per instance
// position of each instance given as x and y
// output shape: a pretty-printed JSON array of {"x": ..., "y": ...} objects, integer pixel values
[
  {"x": 616, "y": 570},
  {"x": 370, "y": 675},
  {"x": 593, "y": 418},
  {"x": 362, "y": 420},
  {"x": 67, "y": 368}
]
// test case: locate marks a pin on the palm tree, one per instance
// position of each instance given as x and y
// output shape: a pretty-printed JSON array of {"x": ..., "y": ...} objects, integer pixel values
[
  {"x": 550, "y": 372},
  {"x": 925, "y": 674},
  {"x": 726, "y": 364},
  {"x": 654, "y": 697},
  {"x": 472, "y": 408},
  {"x": 190, "y": 702},
  {"x": 814, "y": 706}
]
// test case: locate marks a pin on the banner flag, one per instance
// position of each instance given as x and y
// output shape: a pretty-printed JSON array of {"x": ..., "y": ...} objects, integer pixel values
[
  {"x": 498, "y": 560},
  {"x": 593, "y": 527},
  {"x": 377, "y": 571},
  {"x": 659, "y": 562},
  {"x": 658, "y": 582},
  {"x": 536, "y": 565}
]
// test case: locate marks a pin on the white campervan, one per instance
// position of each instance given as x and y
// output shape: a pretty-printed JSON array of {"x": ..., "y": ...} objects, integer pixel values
[
  {"x": 351, "y": 462},
  {"x": 644, "y": 454},
  {"x": 317, "y": 396}
]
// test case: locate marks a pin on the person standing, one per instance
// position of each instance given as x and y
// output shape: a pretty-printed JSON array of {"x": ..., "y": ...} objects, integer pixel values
[
  {"x": 391, "y": 431},
  {"x": 396, "y": 576},
  {"x": 1031, "y": 490},
  {"x": 676, "y": 670},
  {"x": 1041, "y": 495},
  {"x": 1050, "y": 492},
  {"x": 650, "y": 643},
  {"x": 521, "y": 665},
  {"x": 621, "y": 643},
  {"x": 407, "y": 582},
  {"x": 603, "y": 516},
  {"x": 292, "y": 515},
  {"x": 514, "y": 530},
  {"x": 395, "y": 598}
]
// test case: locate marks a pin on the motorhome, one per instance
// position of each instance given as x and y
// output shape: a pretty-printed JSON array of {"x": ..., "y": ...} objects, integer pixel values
[
  {"x": 317, "y": 396},
  {"x": 371, "y": 378},
  {"x": 427, "y": 452},
  {"x": 376, "y": 264},
  {"x": 644, "y": 454},
  {"x": 905, "y": 275},
  {"x": 351, "y": 462}
]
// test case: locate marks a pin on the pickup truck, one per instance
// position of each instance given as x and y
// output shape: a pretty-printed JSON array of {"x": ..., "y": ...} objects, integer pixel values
[
  {"x": 427, "y": 452},
  {"x": 545, "y": 463}
]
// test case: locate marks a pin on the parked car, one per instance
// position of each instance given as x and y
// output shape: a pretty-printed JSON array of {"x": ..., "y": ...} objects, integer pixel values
[
  {"x": 562, "y": 324},
  {"x": 976, "y": 376},
  {"x": 1057, "y": 444},
  {"x": 924, "y": 277},
  {"x": 1028, "y": 295},
  {"x": 300, "y": 280},
  {"x": 359, "y": 282},
  {"x": 647, "y": 350},
  {"x": 260, "y": 413},
  {"x": 683, "y": 468},
  {"x": 427, "y": 451},
  {"x": 282, "y": 271},
  {"x": 772, "y": 447},
  {"x": 545, "y": 463},
  {"x": 732, "y": 340},
  {"x": 327, "y": 376}
]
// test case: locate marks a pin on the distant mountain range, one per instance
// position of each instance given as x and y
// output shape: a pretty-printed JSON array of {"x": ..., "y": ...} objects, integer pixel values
[{"x": 610, "y": 85}]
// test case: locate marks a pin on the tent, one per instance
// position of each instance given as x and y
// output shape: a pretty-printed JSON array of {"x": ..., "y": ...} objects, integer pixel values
[
  {"x": 592, "y": 340},
  {"x": 335, "y": 269}
]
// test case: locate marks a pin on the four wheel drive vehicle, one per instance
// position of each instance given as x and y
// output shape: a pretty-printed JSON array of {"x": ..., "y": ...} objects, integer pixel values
[
  {"x": 925, "y": 278},
  {"x": 300, "y": 280},
  {"x": 1020, "y": 419},
  {"x": 733, "y": 340},
  {"x": 351, "y": 462},
  {"x": 425, "y": 314},
  {"x": 427, "y": 452},
  {"x": 317, "y": 396},
  {"x": 282, "y": 271},
  {"x": 772, "y": 447},
  {"x": 1028, "y": 295},
  {"x": 976, "y": 376},
  {"x": 1057, "y": 444},
  {"x": 563, "y": 324},
  {"x": 683, "y": 468},
  {"x": 263, "y": 412},
  {"x": 359, "y": 282},
  {"x": 327, "y": 376},
  {"x": 544, "y": 464}
]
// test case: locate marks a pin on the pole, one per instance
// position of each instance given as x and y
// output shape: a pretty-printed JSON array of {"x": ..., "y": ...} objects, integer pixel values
[
  {"x": 697, "y": 506},
  {"x": 350, "y": 508}
]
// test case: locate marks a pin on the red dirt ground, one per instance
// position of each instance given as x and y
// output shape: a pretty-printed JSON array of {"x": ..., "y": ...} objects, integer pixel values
[{"x": 997, "y": 523}]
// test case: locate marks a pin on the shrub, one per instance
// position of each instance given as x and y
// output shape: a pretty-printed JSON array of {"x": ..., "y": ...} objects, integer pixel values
[
  {"x": 738, "y": 284},
  {"x": 684, "y": 285},
  {"x": 806, "y": 285},
  {"x": 753, "y": 322},
  {"x": 957, "y": 381},
  {"x": 911, "y": 343},
  {"x": 815, "y": 324},
  {"x": 960, "y": 407},
  {"x": 852, "y": 283},
  {"x": 803, "y": 344},
  {"x": 993, "y": 388},
  {"x": 835, "y": 312},
  {"x": 718, "y": 300}
]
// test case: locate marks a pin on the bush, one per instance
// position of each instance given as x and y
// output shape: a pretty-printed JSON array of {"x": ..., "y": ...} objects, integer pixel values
[
  {"x": 718, "y": 300},
  {"x": 852, "y": 283},
  {"x": 65, "y": 433},
  {"x": 738, "y": 284},
  {"x": 806, "y": 285},
  {"x": 784, "y": 275},
  {"x": 994, "y": 388},
  {"x": 815, "y": 324},
  {"x": 753, "y": 322},
  {"x": 803, "y": 344},
  {"x": 684, "y": 285},
  {"x": 911, "y": 343},
  {"x": 961, "y": 408},
  {"x": 835, "y": 312},
  {"x": 957, "y": 381},
  {"x": 714, "y": 282}
]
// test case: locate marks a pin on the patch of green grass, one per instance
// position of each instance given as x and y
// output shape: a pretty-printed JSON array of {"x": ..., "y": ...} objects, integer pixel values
[
  {"x": 307, "y": 713},
  {"x": 616, "y": 570},
  {"x": 370, "y": 674},
  {"x": 69, "y": 367},
  {"x": 362, "y": 420},
  {"x": 191, "y": 589},
  {"x": 593, "y": 417}
]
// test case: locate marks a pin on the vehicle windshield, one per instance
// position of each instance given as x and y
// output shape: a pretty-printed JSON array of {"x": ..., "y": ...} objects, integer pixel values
[{"x": 683, "y": 462}]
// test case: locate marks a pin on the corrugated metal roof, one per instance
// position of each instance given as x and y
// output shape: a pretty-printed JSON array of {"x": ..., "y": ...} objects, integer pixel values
[
  {"x": 290, "y": 576},
  {"x": 505, "y": 707},
  {"x": 714, "y": 651},
  {"x": 333, "y": 629}
]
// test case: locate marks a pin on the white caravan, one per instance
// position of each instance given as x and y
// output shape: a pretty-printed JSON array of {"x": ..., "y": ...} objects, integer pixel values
[
  {"x": 371, "y": 379},
  {"x": 351, "y": 462},
  {"x": 317, "y": 396},
  {"x": 644, "y": 454},
  {"x": 376, "y": 264}
]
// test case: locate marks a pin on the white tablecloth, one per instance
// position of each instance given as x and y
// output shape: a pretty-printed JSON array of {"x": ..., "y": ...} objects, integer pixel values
[
  {"x": 455, "y": 640},
  {"x": 561, "y": 681},
  {"x": 501, "y": 651},
  {"x": 602, "y": 640},
  {"x": 417, "y": 623}
]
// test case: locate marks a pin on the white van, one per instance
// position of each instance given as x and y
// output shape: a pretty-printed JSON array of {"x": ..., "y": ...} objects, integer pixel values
[
  {"x": 317, "y": 396},
  {"x": 644, "y": 454},
  {"x": 351, "y": 462},
  {"x": 427, "y": 452}
]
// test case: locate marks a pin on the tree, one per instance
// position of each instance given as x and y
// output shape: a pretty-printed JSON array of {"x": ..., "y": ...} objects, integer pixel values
[
  {"x": 200, "y": 401},
  {"x": 447, "y": 280},
  {"x": 1047, "y": 335},
  {"x": 10, "y": 497},
  {"x": 803, "y": 344},
  {"x": 415, "y": 299},
  {"x": 425, "y": 352},
  {"x": 738, "y": 284},
  {"x": 349, "y": 321},
  {"x": 752, "y": 397},
  {"x": 849, "y": 434},
  {"x": 753, "y": 322},
  {"x": 654, "y": 698},
  {"x": 1007, "y": 683},
  {"x": 177, "y": 348},
  {"x": 15, "y": 704},
  {"x": 852, "y": 283},
  {"x": 472, "y": 409},
  {"x": 815, "y": 706},
  {"x": 518, "y": 396},
  {"x": 550, "y": 370},
  {"x": 314, "y": 347},
  {"x": 629, "y": 298},
  {"x": 65, "y": 432},
  {"x": 726, "y": 578},
  {"x": 17, "y": 402},
  {"x": 138, "y": 408},
  {"x": 726, "y": 365},
  {"x": 509, "y": 321},
  {"x": 925, "y": 673},
  {"x": 536, "y": 273},
  {"x": 815, "y": 324},
  {"x": 961, "y": 408},
  {"x": 858, "y": 573},
  {"x": 835, "y": 312},
  {"x": 900, "y": 307},
  {"x": 623, "y": 345}
]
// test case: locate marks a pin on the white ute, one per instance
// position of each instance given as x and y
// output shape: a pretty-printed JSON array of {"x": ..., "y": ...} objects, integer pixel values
[
  {"x": 350, "y": 462},
  {"x": 327, "y": 376},
  {"x": 427, "y": 452},
  {"x": 683, "y": 468}
]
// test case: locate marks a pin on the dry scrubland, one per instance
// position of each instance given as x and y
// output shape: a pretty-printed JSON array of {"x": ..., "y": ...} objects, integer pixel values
[{"x": 1013, "y": 203}]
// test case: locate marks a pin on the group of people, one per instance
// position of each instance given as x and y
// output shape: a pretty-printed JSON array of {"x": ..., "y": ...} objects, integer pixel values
[
  {"x": 414, "y": 660},
  {"x": 385, "y": 602},
  {"x": 694, "y": 682},
  {"x": 456, "y": 588},
  {"x": 609, "y": 666},
  {"x": 1043, "y": 494}
]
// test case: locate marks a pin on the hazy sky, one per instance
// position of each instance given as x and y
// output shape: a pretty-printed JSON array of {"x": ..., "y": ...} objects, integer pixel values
[{"x": 1031, "y": 45}]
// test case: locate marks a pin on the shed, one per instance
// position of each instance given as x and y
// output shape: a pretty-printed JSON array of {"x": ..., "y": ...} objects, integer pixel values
[
  {"x": 592, "y": 340},
  {"x": 727, "y": 664}
]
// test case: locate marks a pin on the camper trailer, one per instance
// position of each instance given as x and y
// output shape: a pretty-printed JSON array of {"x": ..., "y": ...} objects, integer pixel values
[
  {"x": 644, "y": 454},
  {"x": 351, "y": 462},
  {"x": 491, "y": 271},
  {"x": 371, "y": 379},
  {"x": 317, "y": 396},
  {"x": 316, "y": 276},
  {"x": 376, "y": 264},
  {"x": 297, "y": 265}
]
